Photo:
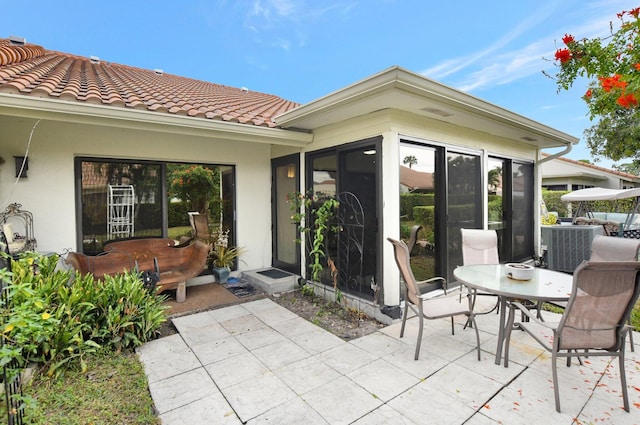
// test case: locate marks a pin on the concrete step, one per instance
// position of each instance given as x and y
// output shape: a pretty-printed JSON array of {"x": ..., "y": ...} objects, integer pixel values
[{"x": 272, "y": 280}]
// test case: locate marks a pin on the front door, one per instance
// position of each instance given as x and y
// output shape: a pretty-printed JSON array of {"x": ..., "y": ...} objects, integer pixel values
[{"x": 285, "y": 180}]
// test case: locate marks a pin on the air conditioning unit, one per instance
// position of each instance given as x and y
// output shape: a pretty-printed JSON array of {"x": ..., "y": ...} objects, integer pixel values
[{"x": 568, "y": 245}]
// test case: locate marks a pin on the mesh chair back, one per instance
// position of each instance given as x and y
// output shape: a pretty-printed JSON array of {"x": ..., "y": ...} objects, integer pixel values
[
  {"x": 479, "y": 247},
  {"x": 601, "y": 300},
  {"x": 609, "y": 248},
  {"x": 401, "y": 254},
  {"x": 200, "y": 225}
]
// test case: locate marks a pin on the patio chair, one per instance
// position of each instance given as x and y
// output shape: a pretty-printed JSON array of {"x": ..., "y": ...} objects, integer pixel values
[
  {"x": 422, "y": 297},
  {"x": 480, "y": 247},
  {"x": 200, "y": 226},
  {"x": 601, "y": 301},
  {"x": 413, "y": 238},
  {"x": 609, "y": 248}
]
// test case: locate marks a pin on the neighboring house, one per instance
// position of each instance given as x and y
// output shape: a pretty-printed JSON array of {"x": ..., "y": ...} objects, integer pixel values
[
  {"x": 67, "y": 111},
  {"x": 415, "y": 181},
  {"x": 568, "y": 174}
]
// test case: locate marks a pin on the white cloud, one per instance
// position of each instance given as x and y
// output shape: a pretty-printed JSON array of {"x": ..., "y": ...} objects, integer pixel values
[
  {"x": 284, "y": 20},
  {"x": 485, "y": 68}
]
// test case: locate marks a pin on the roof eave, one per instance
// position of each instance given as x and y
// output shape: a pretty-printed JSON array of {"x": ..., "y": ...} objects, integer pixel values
[
  {"x": 394, "y": 86},
  {"x": 109, "y": 116}
]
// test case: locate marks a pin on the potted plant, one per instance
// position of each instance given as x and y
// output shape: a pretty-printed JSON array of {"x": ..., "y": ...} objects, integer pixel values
[{"x": 222, "y": 256}]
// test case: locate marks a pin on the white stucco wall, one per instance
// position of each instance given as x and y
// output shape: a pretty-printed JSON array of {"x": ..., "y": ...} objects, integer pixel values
[{"x": 49, "y": 192}]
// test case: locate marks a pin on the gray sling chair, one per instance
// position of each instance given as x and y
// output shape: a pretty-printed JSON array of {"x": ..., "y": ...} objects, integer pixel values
[
  {"x": 420, "y": 297},
  {"x": 594, "y": 319},
  {"x": 610, "y": 248}
]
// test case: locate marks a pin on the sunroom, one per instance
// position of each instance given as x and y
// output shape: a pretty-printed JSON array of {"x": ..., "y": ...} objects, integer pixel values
[{"x": 412, "y": 152}]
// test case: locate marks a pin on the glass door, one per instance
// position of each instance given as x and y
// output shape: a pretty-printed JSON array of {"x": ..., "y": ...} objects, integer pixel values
[
  {"x": 349, "y": 174},
  {"x": 522, "y": 211},
  {"x": 497, "y": 187},
  {"x": 358, "y": 220},
  {"x": 440, "y": 192},
  {"x": 285, "y": 182},
  {"x": 464, "y": 202},
  {"x": 510, "y": 186}
]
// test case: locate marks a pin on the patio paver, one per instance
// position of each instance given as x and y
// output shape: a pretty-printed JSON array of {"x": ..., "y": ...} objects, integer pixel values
[{"x": 258, "y": 363}]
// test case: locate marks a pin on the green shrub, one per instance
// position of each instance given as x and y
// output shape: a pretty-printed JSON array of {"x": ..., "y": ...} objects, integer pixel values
[
  {"x": 177, "y": 214},
  {"x": 552, "y": 201},
  {"x": 425, "y": 216},
  {"x": 410, "y": 200},
  {"x": 405, "y": 230},
  {"x": 56, "y": 318},
  {"x": 495, "y": 209}
]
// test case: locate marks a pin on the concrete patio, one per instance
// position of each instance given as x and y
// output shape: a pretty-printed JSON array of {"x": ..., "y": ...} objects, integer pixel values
[{"x": 258, "y": 363}]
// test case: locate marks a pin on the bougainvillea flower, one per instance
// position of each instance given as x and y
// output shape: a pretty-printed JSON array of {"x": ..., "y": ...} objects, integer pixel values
[
  {"x": 635, "y": 12},
  {"x": 627, "y": 100},
  {"x": 563, "y": 55},
  {"x": 588, "y": 94},
  {"x": 568, "y": 38},
  {"x": 637, "y": 66},
  {"x": 609, "y": 83}
]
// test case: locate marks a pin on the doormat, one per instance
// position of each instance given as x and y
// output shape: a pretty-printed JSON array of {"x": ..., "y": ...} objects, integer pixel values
[
  {"x": 240, "y": 287},
  {"x": 274, "y": 273}
]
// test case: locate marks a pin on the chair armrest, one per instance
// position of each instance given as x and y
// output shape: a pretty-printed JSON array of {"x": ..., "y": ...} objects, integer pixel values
[
  {"x": 531, "y": 316},
  {"x": 426, "y": 284}
]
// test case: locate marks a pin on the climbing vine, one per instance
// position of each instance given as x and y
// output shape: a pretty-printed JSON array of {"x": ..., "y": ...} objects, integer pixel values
[{"x": 322, "y": 210}]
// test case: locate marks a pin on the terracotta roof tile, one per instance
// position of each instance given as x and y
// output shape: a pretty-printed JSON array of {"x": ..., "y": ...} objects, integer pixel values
[
  {"x": 595, "y": 167},
  {"x": 34, "y": 71}
]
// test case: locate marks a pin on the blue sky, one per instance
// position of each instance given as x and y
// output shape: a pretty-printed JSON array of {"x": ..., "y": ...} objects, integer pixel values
[{"x": 304, "y": 49}]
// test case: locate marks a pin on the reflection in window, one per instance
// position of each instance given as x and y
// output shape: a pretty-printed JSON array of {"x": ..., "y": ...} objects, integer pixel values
[
  {"x": 126, "y": 199},
  {"x": 417, "y": 206}
]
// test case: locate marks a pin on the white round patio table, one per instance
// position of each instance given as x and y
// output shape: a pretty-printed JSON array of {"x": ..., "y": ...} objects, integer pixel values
[{"x": 545, "y": 285}]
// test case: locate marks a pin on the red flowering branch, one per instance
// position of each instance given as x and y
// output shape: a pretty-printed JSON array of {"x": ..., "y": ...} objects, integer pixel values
[{"x": 612, "y": 64}]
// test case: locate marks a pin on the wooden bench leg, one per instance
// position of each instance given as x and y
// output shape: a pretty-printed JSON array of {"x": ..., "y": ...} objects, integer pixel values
[{"x": 181, "y": 292}]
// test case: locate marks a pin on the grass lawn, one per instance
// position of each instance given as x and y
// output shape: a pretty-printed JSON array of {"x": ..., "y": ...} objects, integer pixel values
[
  {"x": 112, "y": 391},
  {"x": 177, "y": 232}
]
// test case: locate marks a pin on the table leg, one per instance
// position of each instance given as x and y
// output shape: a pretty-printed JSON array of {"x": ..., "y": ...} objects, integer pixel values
[{"x": 501, "y": 328}]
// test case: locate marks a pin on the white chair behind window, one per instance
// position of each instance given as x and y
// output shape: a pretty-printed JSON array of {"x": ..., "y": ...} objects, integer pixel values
[{"x": 480, "y": 247}]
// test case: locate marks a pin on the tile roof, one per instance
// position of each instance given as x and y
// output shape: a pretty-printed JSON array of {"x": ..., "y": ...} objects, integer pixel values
[
  {"x": 596, "y": 167},
  {"x": 33, "y": 71}
]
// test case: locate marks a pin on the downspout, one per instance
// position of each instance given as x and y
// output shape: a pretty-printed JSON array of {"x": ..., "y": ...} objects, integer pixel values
[
  {"x": 536, "y": 166},
  {"x": 566, "y": 150}
]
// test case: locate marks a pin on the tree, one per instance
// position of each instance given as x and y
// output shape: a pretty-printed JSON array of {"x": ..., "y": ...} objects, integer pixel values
[
  {"x": 494, "y": 178},
  {"x": 629, "y": 167},
  {"x": 613, "y": 66},
  {"x": 411, "y": 160},
  {"x": 196, "y": 184}
]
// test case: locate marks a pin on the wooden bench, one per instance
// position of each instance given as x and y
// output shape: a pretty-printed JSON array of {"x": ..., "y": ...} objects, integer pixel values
[{"x": 177, "y": 264}]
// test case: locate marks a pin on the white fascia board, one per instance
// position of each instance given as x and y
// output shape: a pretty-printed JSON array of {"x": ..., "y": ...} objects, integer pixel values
[
  {"x": 399, "y": 79},
  {"x": 110, "y": 116}
]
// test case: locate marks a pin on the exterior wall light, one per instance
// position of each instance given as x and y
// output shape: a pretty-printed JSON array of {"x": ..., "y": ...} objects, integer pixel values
[{"x": 22, "y": 166}]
